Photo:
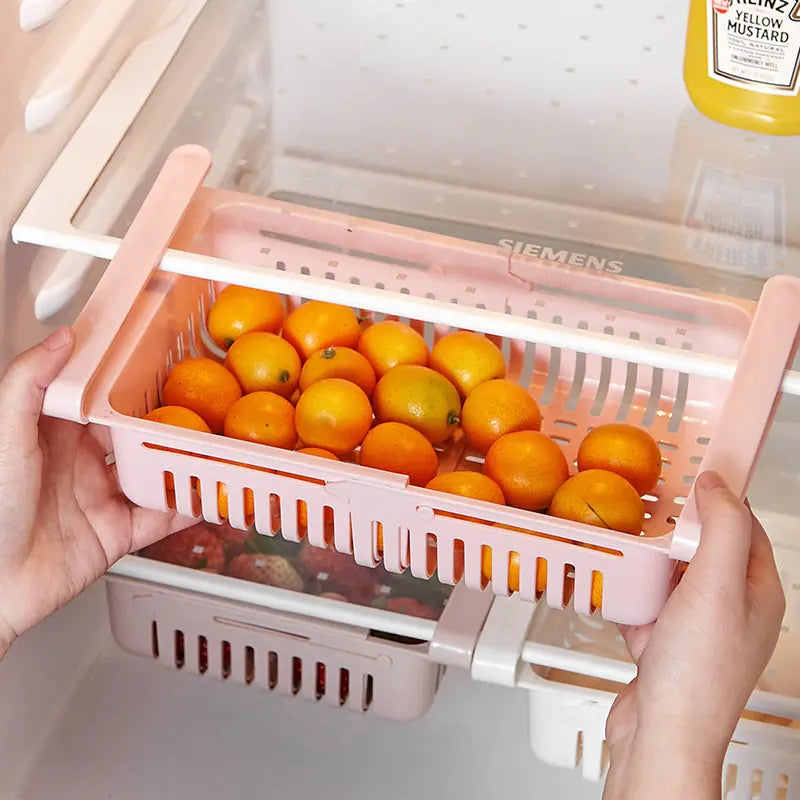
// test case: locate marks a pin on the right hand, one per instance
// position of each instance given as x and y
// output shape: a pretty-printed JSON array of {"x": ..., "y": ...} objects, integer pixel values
[{"x": 699, "y": 662}]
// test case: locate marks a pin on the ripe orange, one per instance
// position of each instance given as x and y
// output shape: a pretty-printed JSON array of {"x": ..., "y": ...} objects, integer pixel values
[
  {"x": 222, "y": 503},
  {"x": 316, "y": 325},
  {"x": 496, "y": 408},
  {"x": 597, "y": 590},
  {"x": 400, "y": 448},
  {"x": 338, "y": 362},
  {"x": 390, "y": 343},
  {"x": 302, "y": 510},
  {"x": 263, "y": 417},
  {"x": 419, "y": 397},
  {"x": 263, "y": 362},
  {"x": 179, "y": 417},
  {"x": 468, "y": 484},
  {"x": 319, "y": 452},
  {"x": 513, "y": 567},
  {"x": 625, "y": 449},
  {"x": 203, "y": 386},
  {"x": 601, "y": 498},
  {"x": 239, "y": 310},
  {"x": 467, "y": 360},
  {"x": 333, "y": 414},
  {"x": 528, "y": 466}
]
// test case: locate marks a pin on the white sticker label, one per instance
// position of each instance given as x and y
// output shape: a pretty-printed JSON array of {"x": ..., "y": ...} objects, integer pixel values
[{"x": 755, "y": 44}]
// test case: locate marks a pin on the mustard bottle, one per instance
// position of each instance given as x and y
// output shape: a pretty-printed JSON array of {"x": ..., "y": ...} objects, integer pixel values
[{"x": 742, "y": 64}]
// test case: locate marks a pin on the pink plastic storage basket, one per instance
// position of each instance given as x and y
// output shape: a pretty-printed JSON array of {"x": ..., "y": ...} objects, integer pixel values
[
  {"x": 592, "y": 348},
  {"x": 338, "y": 665}
]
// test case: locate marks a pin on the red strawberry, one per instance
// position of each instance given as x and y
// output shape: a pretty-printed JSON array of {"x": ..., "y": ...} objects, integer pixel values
[
  {"x": 269, "y": 570},
  {"x": 334, "y": 596},
  {"x": 412, "y": 607},
  {"x": 197, "y": 547},
  {"x": 233, "y": 540},
  {"x": 337, "y": 573}
]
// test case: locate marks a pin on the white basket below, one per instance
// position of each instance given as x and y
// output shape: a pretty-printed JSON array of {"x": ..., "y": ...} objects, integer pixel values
[{"x": 338, "y": 665}]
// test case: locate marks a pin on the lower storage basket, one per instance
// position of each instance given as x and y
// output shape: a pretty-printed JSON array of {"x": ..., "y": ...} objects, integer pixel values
[
  {"x": 338, "y": 665},
  {"x": 568, "y": 711},
  {"x": 567, "y": 729}
]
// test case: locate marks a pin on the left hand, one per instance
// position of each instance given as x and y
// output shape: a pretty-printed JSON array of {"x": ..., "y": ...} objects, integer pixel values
[{"x": 64, "y": 520}]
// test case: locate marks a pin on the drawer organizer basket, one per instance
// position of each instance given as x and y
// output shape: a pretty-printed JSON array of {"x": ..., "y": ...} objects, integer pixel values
[{"x": 700, "y": 372}]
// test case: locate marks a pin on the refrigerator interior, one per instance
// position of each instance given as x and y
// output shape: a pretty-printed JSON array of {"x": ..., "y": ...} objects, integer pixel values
[{"x": 566, "y": 130}]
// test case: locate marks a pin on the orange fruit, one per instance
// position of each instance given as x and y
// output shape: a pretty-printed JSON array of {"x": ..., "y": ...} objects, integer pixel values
[
  {"x": 597, "y": 590},
  {"x": 390, "y": 343},
  {"x": 263, "y": 362},
  {"x": 239, "y": 310},
  {"x": 302, "y": 510},
  {"x": 625, "y": 449},
  {"x": 467, "y": 360},
  {"x": 496, "y": 408},
  {"x": 319, "y": 452},
  {"x": 222, "y": 503},
  {"x": 600, "y": 498},
  {"x": 179, "y": 417},
  {"x": 338, "y": 362},
  {"x": 419, "y": 397},
  {"x": 513, "y": 567},
  {"x": 316, "y": 325},
  {"x": 468, "y": 484},
  {"x": 263, "y": 417},
  {"x": 541, "y": 572},
  {"x": 528, "y": 466},
  {"x": 333, "y": 414},
  {"x": 203, "y": 386},
  {"x": 400, "y": 448}
]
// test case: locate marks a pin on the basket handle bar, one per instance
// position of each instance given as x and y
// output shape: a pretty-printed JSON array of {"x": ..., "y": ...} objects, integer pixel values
[
  {"x": 751, "y": 403},
  {"x": 139, "y": 253}
]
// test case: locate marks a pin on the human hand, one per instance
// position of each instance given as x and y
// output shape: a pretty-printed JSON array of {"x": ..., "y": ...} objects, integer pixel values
[
  {"x": 64, "y": 520},
  {"x": 698, "y": 664}
]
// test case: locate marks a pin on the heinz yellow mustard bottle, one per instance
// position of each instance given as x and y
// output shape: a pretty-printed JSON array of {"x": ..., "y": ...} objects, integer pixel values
[{"x": 742, "y": 64}]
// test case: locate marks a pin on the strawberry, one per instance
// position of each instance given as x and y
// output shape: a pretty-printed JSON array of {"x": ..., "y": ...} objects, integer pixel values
[
  {"x": 337, "y": 573},
  {"x": 197, "y": 547},
  {"x": 269, "y": 570},
  {"x": 334, "y": 596},
  {"x": 412, "y": 607},
  {"x": 234, "y": 541}
]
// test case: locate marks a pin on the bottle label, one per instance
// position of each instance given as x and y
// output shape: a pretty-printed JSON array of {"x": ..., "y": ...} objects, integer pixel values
[{"x": 755, "y": 44}]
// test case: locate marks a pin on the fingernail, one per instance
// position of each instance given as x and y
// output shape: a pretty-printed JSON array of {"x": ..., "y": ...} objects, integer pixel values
[
  {"x": 709, "y": 481},
  {"x": 58, "y": 339}
]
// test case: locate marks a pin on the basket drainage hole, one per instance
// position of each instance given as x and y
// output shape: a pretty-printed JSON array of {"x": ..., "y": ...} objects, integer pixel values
[
  {"x": 297, "y": 674},
  {"x": 154, "y": 638},
  {"x": 344, "y": 685},
  {"x": 249, "y": 665},
  {"x": 320, "y": 680},
  {"x": 226, "y": 660},
  {"x": 368, "y": 693},
  {"x": 180, "y": 652},
  {"x": 272, "y": 670},
  {"x": 202, "y": 654}
]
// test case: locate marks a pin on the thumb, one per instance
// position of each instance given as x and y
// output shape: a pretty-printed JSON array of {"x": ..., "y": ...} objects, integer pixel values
[
  {"x": 727, "y": 524},
  {"x": 22, "y": 390}
]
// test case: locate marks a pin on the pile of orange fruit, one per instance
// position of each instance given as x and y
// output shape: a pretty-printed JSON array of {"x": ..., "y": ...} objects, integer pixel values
[{"x": 326, "y": 383}]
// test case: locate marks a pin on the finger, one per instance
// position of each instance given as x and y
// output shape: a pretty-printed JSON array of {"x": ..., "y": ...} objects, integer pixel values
[
  {"x": 763, "y": 571},
  {"x": 636, "y": 639},
  {"x": 148, "y": 526},
  {"x": 723, "y": 554},
  {"x": 22, "y": 390}
]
